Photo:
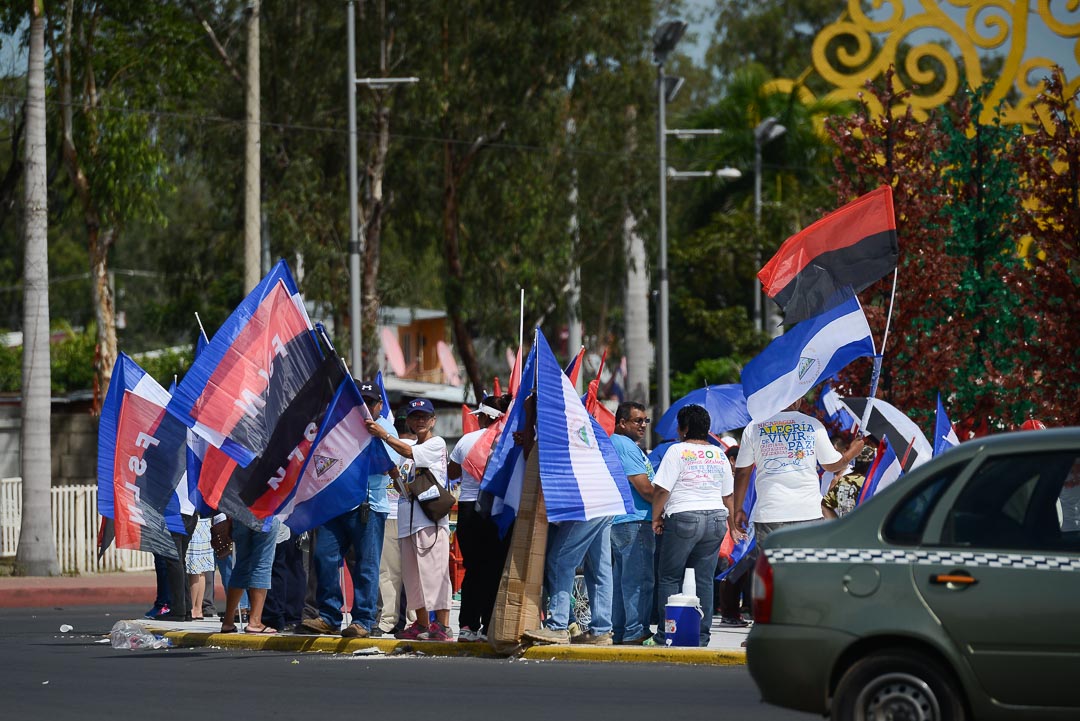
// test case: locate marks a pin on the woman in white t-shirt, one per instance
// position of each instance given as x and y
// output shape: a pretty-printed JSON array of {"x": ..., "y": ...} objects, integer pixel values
[
  {"x": 692, "y": 494},
  {"x": 425, "y": 546}
]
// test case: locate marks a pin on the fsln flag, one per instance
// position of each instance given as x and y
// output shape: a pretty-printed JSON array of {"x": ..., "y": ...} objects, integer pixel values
[
  {"x": 883, "y": 473},
  {"x": 255, "y": 365},
  {"x": 504, "y": 471},
  {"x": 252, "y": 495},
  {"x": 852, "y": 246},
  {"x": 881, "y": 419},
  {"x": 469, "y": 422},
  {"x": 335, "y": 475},
  {"x": 794, "y": 362},
  {"x": 580, "y": 471},
  {"x": 591, "y": 399},
  {"x": 140, "y": 459},
  {"x": 944, "y": 435}
]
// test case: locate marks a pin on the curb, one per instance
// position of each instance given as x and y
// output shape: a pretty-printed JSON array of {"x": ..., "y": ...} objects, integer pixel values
[{"x": 332, "y": 644}]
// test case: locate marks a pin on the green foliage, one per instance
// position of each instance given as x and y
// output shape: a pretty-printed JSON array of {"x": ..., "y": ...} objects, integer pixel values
[
  {"x": 166, "y": 366},
  {"x": 10, "y": 369},
  {"x": 72, "y": 361},
  {"x": 707, "y": 372}
]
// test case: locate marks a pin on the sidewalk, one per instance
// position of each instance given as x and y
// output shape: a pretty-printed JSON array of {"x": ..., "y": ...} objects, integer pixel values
[{"x": 122, "y": 589}]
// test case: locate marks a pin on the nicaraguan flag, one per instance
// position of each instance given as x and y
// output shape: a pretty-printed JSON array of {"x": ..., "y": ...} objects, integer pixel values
[
  {"x": 504, "y": 471},
  {"x": 140, "y": 460},
  {"x": 814, "y": 349},
  {"x": 883, "y": 473},
  {"x": 385, "y": 412},
  {"x": 944, "y": 435},
  {"x": 335, "y": 475},
  {"x": 580, "y": 472}
]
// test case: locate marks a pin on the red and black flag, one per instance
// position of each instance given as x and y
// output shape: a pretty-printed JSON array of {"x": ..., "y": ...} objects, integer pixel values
[
  {"x": 252, "y": 494},
  {"x": 853, "y": 246}
]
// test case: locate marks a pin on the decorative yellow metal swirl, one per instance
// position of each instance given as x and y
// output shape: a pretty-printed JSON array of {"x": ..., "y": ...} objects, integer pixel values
[{"x": 859, "y": 47}]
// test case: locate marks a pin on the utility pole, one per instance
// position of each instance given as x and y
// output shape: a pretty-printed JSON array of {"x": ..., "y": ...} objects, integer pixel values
[{"x": 252, "y": 142}]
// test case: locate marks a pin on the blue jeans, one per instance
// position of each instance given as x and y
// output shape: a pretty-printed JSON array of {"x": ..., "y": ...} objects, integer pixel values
[
  {"x": 225, "y": 567},
  {"x": 332, "y": 542},
  {"x": 571, "y": 543},
  {"x": 254, "y": 556},
  {"x": 691, "y": 540},
  {"x": 632, "y": 548}
]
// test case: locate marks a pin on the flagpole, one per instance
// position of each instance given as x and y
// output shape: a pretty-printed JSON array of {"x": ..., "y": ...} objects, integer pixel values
[
  {"x": 876, "y": 374},
  {"x": 201, "y": 329},
  {"x": 521, "y": 322}
]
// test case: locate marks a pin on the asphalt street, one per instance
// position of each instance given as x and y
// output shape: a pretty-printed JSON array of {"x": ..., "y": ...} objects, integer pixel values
[{"x": 53, "y": 675}]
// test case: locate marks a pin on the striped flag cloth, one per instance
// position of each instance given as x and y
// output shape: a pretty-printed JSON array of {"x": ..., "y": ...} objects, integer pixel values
[
  {"x": 580, "y": 472},
  {"x": 257, "y": 363},
  {"x": 853, "y": 246},
  {"x": 504, "y": 471},
  {"x": 336, "y": 469},
  {"x": 141, "y": 451},
  {"x": 793, "y": 363},
  {"x": 944, "y": 435},
  {"x": 884, "y": 472}
]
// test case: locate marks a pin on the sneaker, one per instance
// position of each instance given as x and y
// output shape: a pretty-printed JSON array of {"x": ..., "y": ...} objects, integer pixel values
[
  {"x": 436, "y": 632},
  {"x": 734, "y": 621},
  {"x": 467, "y": 635},
  {"x": 317, "y": 626},
  {"x": 548, "y": 635},
  {"x": 592, "y": 639},
  {"x": 376, "y": 632},
  {"x": 650, "y": 641},
  {"x": 156, "y": 611},
  {"x": 354, "y": 630},
  {"x": 412, "y": 633}
]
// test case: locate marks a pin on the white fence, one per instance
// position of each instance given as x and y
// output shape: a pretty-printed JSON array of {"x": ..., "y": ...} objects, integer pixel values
[{"x": 75, "y": 522}]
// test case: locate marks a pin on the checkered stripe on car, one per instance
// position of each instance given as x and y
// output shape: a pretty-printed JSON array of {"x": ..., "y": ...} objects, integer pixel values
[{"x": 944, "y": 557}]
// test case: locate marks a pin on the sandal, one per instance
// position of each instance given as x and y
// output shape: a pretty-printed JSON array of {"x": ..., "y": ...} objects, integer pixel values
[
  {"x": 264, "y": 631},
  {"x": 228, "y": 629}
]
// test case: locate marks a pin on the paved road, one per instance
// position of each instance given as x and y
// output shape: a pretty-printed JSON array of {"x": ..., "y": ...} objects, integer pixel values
[{"x": 57, "y": 676}]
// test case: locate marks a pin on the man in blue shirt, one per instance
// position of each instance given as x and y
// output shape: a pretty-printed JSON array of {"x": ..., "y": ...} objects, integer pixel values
[
  {"x": 632, "y": 540},
  {"x": 360, "y": 529}
]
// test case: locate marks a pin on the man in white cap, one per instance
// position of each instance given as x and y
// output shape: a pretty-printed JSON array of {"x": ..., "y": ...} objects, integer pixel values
[{"x": 482, "y": 551}]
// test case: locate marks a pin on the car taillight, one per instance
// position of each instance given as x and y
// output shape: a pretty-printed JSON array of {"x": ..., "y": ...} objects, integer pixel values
[{"x": 762, "y": 590}]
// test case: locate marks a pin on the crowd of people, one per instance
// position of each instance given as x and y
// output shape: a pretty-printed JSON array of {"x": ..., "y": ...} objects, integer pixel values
[{"x": 687, "y": 496}]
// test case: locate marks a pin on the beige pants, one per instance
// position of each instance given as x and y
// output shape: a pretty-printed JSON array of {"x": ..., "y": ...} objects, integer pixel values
[
  {"x": 390, "y": 578},
  {"x": 425, "y": 568}
]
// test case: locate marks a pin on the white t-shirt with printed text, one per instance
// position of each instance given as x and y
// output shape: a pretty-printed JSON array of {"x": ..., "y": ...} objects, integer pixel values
[
  {"x": 786, "y": 449},
  {"x": 697, "y": 476}
]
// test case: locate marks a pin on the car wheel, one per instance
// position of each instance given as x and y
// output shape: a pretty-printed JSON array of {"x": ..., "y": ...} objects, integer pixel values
[{"x": 899, "y": 685}]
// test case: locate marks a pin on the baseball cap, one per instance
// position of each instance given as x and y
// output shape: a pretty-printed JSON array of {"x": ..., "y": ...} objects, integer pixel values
[
  {"x": 487, "y": 410},
  {"x": 421, "y": 405},
  {"x": 1033, "y": 424},
  {"x": 369, "y": 390},
  {"x": 728, "y": 442}
]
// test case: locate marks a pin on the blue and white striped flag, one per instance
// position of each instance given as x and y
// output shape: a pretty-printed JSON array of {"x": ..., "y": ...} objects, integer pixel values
[
  {"x": 944, "y": 435},
  {"x": 883, "y": 473},
  {"x": 794, "y": 363},
  {"x": 580, "y": 472},
  {"x": 500, "y": 488}
]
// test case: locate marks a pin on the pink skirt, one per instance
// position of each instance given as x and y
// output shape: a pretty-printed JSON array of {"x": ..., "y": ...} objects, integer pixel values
[{"x": 425, "y": 569}]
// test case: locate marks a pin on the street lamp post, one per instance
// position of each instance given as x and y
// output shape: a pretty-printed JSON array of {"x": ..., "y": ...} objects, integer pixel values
[
  {"x": 665, "y": 39},
  {"x": 355, "y": 322},
  {"x": 767, "y": 130}
]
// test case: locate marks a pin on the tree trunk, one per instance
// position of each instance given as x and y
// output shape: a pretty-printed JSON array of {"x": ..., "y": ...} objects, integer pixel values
[
  {"x": 636, "y": 342},
  {"x": 455, "y": 277},
  {"x": 100, "y": 241},
  {"x": 252, "y": 168},
  {"x": 36, "y": 555}
]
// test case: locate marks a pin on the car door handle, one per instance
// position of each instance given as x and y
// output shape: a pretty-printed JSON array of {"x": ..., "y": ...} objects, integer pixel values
[{"x": 956, "y": 578}]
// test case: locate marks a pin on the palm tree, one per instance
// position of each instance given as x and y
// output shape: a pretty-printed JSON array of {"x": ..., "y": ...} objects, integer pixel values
[{"x": 37, "y": 549}]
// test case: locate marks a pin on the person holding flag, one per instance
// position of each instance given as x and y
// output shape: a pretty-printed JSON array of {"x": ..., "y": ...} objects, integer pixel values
[
  {"x": 361, "y": 530},
  {"x": 482, "y": 551},
  {"x": 425, "y": 550},
  {"x": 786, "y": 449}
]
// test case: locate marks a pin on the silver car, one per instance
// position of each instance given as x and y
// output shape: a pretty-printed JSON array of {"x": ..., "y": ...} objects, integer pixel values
[{"x": 953, "y": 594}]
